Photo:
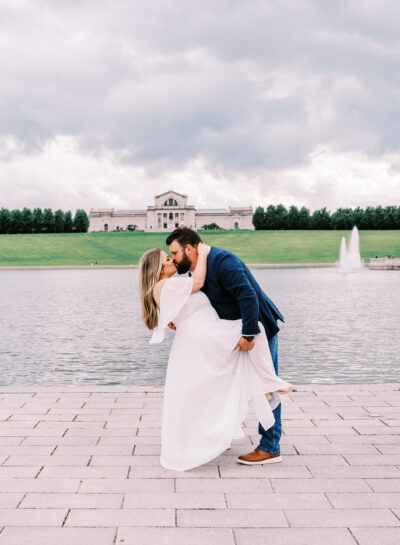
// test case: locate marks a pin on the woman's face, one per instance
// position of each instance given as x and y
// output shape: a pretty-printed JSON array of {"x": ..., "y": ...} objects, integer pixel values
[{"x": 169, "y": 267}]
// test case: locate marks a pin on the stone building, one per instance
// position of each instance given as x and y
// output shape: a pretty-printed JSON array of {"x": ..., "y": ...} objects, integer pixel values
[{"x": 170, "y": 210}]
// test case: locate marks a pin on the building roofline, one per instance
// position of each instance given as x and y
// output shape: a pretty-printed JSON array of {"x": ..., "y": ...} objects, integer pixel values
[
  {"x": 130, "y": 211},
  {"x": 169, "y": 191}
]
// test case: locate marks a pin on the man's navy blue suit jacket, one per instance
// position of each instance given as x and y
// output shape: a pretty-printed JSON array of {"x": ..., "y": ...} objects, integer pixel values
[{"x": 234, "y": 293}]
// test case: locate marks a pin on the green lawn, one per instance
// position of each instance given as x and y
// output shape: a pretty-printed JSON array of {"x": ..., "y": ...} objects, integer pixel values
[{"x": 252, "y": 246}]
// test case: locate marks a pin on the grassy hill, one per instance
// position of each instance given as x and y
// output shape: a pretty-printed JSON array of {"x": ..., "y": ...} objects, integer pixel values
[{"x": 251, "y": 246}]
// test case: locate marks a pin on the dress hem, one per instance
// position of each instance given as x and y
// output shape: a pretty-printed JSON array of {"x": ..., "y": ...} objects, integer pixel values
[{"x": 197, "y": 465}]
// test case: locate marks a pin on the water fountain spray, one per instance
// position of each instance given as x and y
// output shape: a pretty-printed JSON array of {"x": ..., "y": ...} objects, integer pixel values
[{"x": 349, "y": 258}]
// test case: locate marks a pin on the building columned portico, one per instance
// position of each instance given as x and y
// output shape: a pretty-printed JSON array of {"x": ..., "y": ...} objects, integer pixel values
[{"x": 170, "y": 210}]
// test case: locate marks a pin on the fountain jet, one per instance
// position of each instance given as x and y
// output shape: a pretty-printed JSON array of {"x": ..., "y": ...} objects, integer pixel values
[{"x": 350, "y": 259}]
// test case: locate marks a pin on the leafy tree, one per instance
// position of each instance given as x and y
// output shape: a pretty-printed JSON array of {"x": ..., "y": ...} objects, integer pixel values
[
  {"x": 358, "y": 214},
  {"x": 321, "y": 219},
  {"x": 368, "y": 218},
  {"x": 304, "y": 218},
  {"x": 293, "y": 218},
  {"x": 16, "y": 225},
  {"x": 5, "y": 221},
  {"x": 26, "y": 220},
  {"x": 270, "y": 217},
  {"x": 343, "y": 218},
  {"x": 68, "y": 223},
  {"x": 81, "y": 221},
  {"x": 281, "y": 217},
  {"x": 277, "y": 217},
  {"x": 258, "y": 218},
  {"x": 59, "y": 221},
  {"x": 211, "y": 227},
  {"x": 37, "y": 220},
  {"x": 397, "y": 218},
  {"x": 379, "y": 218},
  {"x": 48, "y": 220},
  {"x": 389, "y": 214}
]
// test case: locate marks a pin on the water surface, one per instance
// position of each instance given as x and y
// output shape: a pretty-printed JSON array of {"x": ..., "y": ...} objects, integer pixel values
[{"x": 83, "y": 326}]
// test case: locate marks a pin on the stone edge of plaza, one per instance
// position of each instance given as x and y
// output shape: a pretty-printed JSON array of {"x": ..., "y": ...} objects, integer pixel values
[{"x": 170, "y": 210}]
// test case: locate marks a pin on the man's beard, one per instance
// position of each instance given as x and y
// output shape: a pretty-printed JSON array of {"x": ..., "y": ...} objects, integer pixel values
[{"x": 184, "y": 265}]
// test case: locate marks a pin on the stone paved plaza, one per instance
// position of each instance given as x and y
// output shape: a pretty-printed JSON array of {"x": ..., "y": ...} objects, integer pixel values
[{"x": 80, "y": 466}]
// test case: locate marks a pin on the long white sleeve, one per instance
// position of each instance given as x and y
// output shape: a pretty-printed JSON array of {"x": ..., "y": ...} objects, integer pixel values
[{"x": 174, "y": 294}]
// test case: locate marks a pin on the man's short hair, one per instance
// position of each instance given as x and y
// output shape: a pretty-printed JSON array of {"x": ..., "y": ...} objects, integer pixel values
[{"x": 183, "y": 236}]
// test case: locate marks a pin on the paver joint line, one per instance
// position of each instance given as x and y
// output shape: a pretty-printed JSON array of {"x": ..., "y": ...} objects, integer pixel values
[
  {"x": 65, "y": 519},
  {"x": 94, "y": 464}
]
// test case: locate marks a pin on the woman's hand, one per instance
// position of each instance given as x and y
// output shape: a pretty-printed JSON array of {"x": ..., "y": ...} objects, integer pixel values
[{"x": 203, "y": 249}]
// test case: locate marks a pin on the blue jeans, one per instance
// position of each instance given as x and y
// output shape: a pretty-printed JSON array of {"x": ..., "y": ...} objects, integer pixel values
[{"x": 270, "y": 438}]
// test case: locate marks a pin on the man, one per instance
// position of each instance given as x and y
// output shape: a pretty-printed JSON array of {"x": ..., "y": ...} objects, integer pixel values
[{"x": 234, "y": 293}]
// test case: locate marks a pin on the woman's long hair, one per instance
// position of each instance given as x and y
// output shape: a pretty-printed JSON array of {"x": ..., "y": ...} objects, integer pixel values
[{"x": 150, "y": 267}]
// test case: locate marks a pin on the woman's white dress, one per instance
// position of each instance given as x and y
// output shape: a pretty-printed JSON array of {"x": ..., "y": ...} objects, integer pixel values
[{"x": 208, "y": 384}]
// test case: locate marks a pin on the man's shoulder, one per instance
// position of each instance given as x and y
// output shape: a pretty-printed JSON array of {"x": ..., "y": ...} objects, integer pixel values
[{"x": 222, "y": 256}]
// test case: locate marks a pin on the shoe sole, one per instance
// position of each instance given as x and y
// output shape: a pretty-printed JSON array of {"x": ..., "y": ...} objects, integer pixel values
[{"x": 267, "y": 461}]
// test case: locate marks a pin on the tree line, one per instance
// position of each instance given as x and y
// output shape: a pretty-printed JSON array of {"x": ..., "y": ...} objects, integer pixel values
[
  {"x": 42, "y": 221},
  {"x": 279, "y": 217}
]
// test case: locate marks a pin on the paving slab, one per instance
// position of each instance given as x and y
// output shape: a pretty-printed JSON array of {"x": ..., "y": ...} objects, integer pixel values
[
  {"x": 375, "y": 536},
  {"x": 175, "y": 536},
  {"x": 120, "y": 517},
  {"x": 69, "y": 501},
  {"x": 61, "y": 536},
  {"x": 32, "y": 517},
  {"x": 333, "y": 518},
  {"x": 81, "y": 465},
  {"x": 295, "y": 536},
  {"x": 174, "y": 500},
  {"x": 382, "y": 500},
  {"x": 231, "y": 518}
]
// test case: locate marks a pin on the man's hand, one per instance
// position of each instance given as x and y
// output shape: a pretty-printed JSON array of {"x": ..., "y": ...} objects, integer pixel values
[
  {"x": 171, "y": 325},
  {"x": 244, "y": 345}
]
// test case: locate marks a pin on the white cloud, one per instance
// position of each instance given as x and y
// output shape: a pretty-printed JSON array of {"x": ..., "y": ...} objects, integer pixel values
[
  {"x": 107, "y": 103},
  {"x": 61, "y": 175}
]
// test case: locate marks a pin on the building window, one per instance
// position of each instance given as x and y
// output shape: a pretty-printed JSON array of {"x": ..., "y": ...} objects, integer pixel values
[
  {"x": 171, "y": 216},
  {"x": 236, "y": 226},
  {"x": 165, "y": 225},
  {"x": 170, "y": 202},
  {"x": 176, "y": 225},
  {"x": 106, "y": 227}
]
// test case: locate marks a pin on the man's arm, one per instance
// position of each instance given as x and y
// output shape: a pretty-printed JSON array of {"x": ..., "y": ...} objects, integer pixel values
[{"x": 233, "y": 279}]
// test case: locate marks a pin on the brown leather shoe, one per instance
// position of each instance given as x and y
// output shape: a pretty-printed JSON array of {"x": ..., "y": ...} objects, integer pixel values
[{"x": 259, "y": 457}]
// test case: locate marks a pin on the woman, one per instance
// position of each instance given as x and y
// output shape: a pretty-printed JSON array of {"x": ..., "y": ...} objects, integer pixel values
[{"x": 208, "y": 383}]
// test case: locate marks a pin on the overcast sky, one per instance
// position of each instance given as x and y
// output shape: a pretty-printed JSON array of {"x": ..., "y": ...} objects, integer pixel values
[{"x": 104, "y": 103}]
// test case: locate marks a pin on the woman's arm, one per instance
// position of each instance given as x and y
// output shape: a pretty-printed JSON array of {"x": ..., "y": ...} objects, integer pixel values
[
  {"x": 157, "y": 291},
  {"x": 200, "y": 271}
]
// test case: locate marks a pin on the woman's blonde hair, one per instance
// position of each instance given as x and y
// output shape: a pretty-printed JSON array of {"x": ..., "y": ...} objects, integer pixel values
[{"x": 150, "y": 267}]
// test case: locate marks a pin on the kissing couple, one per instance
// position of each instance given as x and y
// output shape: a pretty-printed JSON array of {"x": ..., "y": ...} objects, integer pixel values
[{"x": 224, "y": 352}]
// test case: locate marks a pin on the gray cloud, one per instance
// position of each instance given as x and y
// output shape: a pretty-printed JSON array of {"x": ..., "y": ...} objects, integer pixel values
[{"x": 245, "y": 87}]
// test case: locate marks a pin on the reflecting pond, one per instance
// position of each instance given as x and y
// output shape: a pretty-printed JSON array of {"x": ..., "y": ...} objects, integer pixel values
[{"x": 83, "y": 326}]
